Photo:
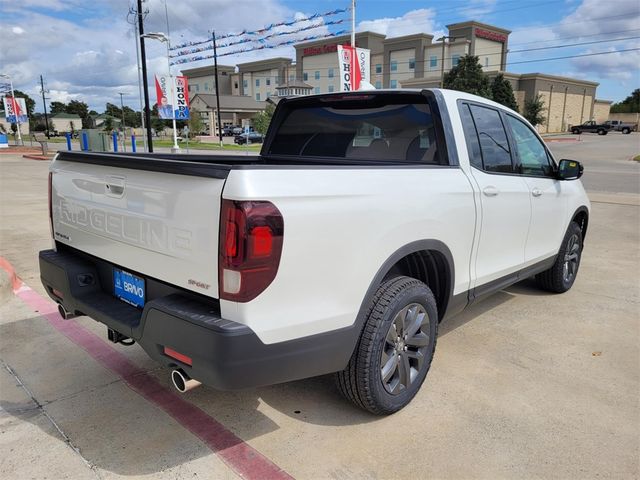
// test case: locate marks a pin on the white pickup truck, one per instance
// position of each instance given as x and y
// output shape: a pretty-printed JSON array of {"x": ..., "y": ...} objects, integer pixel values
[{"x": 367, "y": 218}]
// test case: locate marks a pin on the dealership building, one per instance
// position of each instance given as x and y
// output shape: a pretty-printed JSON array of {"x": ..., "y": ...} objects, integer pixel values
[{"x": 411, "y": 61}]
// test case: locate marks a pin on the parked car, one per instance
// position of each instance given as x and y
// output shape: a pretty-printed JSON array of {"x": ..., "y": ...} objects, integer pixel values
[
  {"x": 592, "y": 127},
  {"x": 237, "y": 130},
  {"x": 252, "y": 137},
  {"x": 227, "y": 131},
  {"x": 624, "y": 127},
  {"x": 366, "y": 220}
]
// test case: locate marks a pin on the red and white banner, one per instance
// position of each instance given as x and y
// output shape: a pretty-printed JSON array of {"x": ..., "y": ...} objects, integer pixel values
[
  {"x": 355, "y": 68},
  {"x": 172, "y": 97},
  {"x": 15, "y": 110},
  {"x": 181, "y": 89},
  {"x": 164, "y": 97}
]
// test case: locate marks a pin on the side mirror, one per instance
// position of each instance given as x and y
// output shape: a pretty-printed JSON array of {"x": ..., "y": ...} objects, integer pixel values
[{"x": 569, "y": 170}]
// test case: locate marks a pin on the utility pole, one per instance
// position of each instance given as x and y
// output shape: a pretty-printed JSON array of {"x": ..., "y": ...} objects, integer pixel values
[
  {"x": 215, "y": 71},
  {"x": 145, "y": 86},
  {"x": 443, "y": 40},
  {"x": 124, "y": 126},
  {"x": 44, "y": 103},
  {"x": 353, "y": 23}
]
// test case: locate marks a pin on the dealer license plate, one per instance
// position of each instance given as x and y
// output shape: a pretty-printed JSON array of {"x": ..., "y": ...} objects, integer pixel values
[{"x": 128, "y": 287}]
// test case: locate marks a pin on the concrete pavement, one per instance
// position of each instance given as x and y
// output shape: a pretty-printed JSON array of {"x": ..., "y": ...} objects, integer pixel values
[{"x": 523, "y": 385}]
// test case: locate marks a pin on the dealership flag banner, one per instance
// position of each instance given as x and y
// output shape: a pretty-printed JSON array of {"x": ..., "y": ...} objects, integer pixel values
[
  {"x": 181, "y": 101},
  {"x": 355, "y": 68},
  {"x": 164, "y": 97},
  {"x": 15, "y": 110}
]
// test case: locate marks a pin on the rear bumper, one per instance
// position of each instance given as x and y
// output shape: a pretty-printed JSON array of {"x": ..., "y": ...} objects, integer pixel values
[{"x": 225, "y": 354}]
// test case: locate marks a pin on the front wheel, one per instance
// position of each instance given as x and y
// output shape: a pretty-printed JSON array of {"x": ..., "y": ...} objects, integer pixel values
[
  {"x": 601, "y": 132},
  {"x": 395, "y": 349},
  {"x": 561, "y": 276},
  {"x": 626, "y": 130}
]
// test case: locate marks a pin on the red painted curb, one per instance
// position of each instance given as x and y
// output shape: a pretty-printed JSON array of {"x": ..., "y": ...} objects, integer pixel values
[
  {"x": 243, "y": 459},
  {"x": 37, "y": 157}
]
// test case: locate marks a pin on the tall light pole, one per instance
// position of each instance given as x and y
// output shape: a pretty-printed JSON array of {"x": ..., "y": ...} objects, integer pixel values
[
  {"x": 13, "y": 99},
  {"x": 443, "y": 40},
  {"x": 145, "y": 85},
  {"x": 161, "y": 37},
  {"x": 353, "y": 23},
  {"x": 124, "y": 125}
]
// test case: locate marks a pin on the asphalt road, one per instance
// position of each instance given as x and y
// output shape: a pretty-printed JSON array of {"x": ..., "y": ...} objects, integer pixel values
[
  {"x": 523, "y": 385},
  {"x": 607, "y": 160}
]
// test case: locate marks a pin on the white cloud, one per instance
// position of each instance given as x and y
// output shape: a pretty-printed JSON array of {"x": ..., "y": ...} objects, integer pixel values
[{"x": 415, "y": 21}]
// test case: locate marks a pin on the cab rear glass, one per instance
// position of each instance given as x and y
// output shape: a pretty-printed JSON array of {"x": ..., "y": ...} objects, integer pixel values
[{"x": 359, "y": 127}]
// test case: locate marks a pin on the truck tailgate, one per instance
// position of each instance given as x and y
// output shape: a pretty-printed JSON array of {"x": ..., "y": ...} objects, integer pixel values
[{"x": 153, "y": 223}]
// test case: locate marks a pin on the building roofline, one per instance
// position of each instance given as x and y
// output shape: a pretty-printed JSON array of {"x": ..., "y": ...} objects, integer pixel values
[
  {"x": 337, "y": 39},
  {"x": 263, "y": 63},
  {"x": 405, "y": 38},
  {"x": 475, "y": 23},
  {"x": 600, "y": 100},
  {"x": 206, "y": 70},
  {"x": 545, "y": 76}
]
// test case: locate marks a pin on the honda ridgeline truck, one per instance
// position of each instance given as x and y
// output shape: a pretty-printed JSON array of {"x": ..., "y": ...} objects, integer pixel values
[{"x": 367, "y": 218}]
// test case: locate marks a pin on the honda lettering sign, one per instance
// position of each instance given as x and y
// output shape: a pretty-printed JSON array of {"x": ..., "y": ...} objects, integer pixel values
[{"x": 354, "y": 68}]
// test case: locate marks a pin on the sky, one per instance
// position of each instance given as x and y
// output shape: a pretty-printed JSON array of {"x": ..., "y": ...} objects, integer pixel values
[{"x": 85, "y": 50}]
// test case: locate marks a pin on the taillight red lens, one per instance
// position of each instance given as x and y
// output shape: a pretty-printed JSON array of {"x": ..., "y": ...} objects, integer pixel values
[{"x": 250, "y": 247}]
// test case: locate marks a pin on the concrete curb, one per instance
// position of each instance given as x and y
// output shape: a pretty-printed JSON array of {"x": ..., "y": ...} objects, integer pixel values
[{"x": 615, "y": 198}]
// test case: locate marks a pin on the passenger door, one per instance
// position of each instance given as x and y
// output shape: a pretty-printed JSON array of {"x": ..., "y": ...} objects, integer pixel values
[
  {"x": 548, "y": 200},
  {"x": 504, "y": 198}
]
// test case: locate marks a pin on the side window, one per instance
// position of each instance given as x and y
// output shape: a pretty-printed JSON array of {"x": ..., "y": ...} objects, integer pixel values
[
  {"x": 492, "y": 137},
  {"x": 471, "y": 136},
  {"x": 531, "y": 152}
]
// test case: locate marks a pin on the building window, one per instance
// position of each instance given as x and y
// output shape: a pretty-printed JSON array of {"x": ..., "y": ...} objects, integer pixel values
[
  {"x": 378, "y": 84},
  {"x": 394, "y": 84},
  {"x": 291, "y": 77},
  {"x": 378, "y": 68},
  {"x": 206, "y": 87},
  {"x": 330, "y": 88},
  {"x": 455, "y": 60},
  {"x": 257, "y": 82},
  {"x": 412, "y": 64},
  {"x": 268, "y": 81},
  {"x": 268, "y": 94},
  {"x": 394, "y": 66},
  {"x": 317, "y": 75},
  {"x": 486, "y": 61},
  {"x": 305, "y": 76},
  {"x": 197, "y": 87},
  {"x": 245, "y": 84},
  {"x": 189, "y": 87},
  {"x": 433, "y": 61},
  {"x": 257, "y": 96},
  {"x": 316, "y": 90},
  {"x": 235, "y": 85},
  {"x": 330, "y": 73}
]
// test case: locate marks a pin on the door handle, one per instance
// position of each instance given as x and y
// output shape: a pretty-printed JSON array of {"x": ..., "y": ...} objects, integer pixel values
[
  {"x": 490, "y": 191},
  {"x": 536, "y": 192}
]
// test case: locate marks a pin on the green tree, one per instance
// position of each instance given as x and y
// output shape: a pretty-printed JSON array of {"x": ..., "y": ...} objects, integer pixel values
[
  {"x": 262, "y": 119},
  {"x": 82, "y": 110},
  {"x": 468, "y": 77},
  {"x": 631, "y": 104},
  {"x": 108, "y": 124},
  {"x": 533, "y": 108},
  {"x": 195, "y": 123},
  {"x": 113, "y": 110},
  {"x": 502, "y": 92},
  {"x": 57, "y": 107}
]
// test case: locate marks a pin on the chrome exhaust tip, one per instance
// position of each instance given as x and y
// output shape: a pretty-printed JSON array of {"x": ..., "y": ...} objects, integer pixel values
[
  {"x": 182, "y": 381},
  {"x": 64, "y": 313}
]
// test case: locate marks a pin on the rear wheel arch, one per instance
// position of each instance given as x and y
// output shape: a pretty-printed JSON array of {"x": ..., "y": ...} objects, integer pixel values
[{"x": 429, "y": 261}]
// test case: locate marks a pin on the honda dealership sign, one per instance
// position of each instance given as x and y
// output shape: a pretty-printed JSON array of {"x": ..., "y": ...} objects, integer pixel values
[
  {"x": 15, "y": 110},
  {"x": 355, "y": 71},
  {"x": 172, "y": 97}
]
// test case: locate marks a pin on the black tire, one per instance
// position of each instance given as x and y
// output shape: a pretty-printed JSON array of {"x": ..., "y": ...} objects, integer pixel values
[
  {"x": 361, "y": 381},
  {"x": 626, "y": 130},
  {"x": 557, "y": 279},
  {"x": 576, "y": 131},
  {"x": 601, "y": 132}
]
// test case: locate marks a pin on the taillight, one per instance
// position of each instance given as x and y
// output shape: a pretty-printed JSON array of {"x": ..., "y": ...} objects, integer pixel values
[
  {"x": 250, "y": 248},
  {"x": 50, "y": 203}
]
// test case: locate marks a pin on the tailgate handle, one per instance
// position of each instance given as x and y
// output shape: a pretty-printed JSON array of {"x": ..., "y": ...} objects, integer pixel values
[{"x": 114, "y": 186}]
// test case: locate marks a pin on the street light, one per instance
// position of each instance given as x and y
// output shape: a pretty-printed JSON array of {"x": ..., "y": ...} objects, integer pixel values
[
  {"x": 161, "y": 37},
  {"x": 124, "y": 126},
  {"x": 13, "y": 97}
]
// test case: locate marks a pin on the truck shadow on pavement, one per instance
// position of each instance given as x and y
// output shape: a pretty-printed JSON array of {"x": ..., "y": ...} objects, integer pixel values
[{"x": 119, "y": 431}]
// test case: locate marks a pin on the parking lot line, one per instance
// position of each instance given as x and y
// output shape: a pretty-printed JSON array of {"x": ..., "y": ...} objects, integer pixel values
[{"x": 234, "y": 452}]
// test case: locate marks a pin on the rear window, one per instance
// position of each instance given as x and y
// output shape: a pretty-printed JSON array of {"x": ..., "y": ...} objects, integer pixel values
[{"x": 398, "y": 129}]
